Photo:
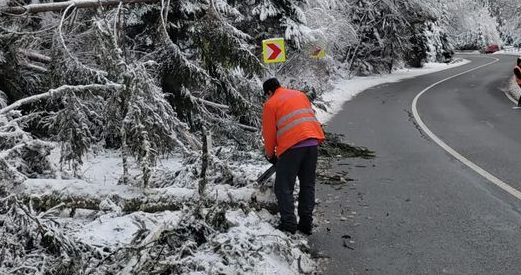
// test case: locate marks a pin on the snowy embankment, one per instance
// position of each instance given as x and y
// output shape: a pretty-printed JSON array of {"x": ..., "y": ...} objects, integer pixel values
[
  {"x": 509, "y": 50},
  {"x": 346, "y": 89}
]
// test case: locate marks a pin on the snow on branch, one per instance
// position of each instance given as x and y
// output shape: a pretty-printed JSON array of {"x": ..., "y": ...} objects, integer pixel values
[
  {"x": 34, "y": 67},
  {"x": 58, "y": 92},
  {"x": 209, "y": 103},
  {"x": 62, "y": 40},
  {"x": 49, "y": 193},
  {"x": 36, "y": 56},
  {"x": 59, "y": 6}
]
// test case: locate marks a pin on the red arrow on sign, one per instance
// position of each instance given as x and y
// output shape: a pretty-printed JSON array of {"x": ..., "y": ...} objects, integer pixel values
[
  {"x": 316, "y": 51},
  {"x": 275, "y": 51}
]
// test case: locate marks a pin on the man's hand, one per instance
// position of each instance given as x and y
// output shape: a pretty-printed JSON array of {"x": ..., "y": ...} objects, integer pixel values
[{"x": 272, "y": 159}]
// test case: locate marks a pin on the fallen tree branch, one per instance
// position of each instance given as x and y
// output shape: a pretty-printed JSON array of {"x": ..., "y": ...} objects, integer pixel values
[
  {"x": 58, "y": 92},
  {"x": 35, "y": 56},
  {"x": 26, "y": 33},
  {"x": 35, "y": 68},
  {"x": 209, "y": 103},
  {"x": 46, "y": 194},
  {"x": 59, "y": 6},
  {"x": 248, "y": 128}
]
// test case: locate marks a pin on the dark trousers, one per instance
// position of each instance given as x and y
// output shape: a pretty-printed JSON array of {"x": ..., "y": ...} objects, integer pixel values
[{"x": 301, "y": 162}]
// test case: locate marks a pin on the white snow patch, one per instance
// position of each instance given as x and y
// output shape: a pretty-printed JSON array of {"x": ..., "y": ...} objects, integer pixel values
[
  {"x": 468, "y": 52},
  {"x": 106, "y": 166},
  {"x": 510, "y": 51},
  {"x": 261, "y": 248},
  {"x": 347, "y": 89},
  {"x": 111, "y": 231}
]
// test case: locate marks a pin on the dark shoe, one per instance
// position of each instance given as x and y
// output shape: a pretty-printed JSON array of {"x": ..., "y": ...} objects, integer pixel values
[
  {"x": 285, "y": 228},
  {"x": 305, "y": 229}
]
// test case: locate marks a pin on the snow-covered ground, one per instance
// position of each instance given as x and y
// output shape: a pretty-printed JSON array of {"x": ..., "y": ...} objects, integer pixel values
[
  {"x": 346, "y": 89},
  {"x": 509, "y": 50}
]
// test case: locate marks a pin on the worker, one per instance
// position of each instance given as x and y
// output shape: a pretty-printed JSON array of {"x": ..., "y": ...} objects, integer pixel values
[
  {"x": 291, "y": 135},
  {"x": 517, "y": 76}
]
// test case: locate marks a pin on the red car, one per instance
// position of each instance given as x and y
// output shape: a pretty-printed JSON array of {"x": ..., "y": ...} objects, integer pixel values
[{"x": 491, "y": 49}]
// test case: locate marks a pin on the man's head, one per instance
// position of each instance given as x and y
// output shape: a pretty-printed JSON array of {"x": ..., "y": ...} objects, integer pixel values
[
  {"x": 270, "y": 86},
  {"x": 519, "y": 60}
]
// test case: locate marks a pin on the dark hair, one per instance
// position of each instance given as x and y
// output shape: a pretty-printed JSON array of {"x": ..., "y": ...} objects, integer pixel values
[{"x": 270, "y": 85}]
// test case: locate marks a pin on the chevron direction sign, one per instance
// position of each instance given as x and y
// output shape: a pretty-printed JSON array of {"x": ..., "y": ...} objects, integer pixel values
[
  {"x": 318, "y": 52},
  {"x": 273, "y": 50}
]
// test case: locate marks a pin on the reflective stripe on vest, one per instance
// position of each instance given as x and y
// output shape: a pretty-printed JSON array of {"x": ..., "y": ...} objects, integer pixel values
[
  {"x": 292, "y": 114},
  {"x": 284, "y": 129}
]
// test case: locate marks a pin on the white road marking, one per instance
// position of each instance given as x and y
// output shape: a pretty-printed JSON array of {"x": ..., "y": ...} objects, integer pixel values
[
  {"x": 509, "y": 96},
  {"x": 501, "y": 184}
]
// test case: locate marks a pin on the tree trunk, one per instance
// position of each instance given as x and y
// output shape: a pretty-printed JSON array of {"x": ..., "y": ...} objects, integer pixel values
[
  {"x": 59, "y": 6},
  {"x": 45, "y": 194}
]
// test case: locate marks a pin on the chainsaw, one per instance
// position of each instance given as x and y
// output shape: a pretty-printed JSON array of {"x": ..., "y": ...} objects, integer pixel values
[{"x": 266, "y": 175}]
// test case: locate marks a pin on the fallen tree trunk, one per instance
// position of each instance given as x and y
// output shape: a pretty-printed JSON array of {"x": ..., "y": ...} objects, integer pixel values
[
  {"x": 59, "y": 6},
  {"x": 46, "y": 194}
]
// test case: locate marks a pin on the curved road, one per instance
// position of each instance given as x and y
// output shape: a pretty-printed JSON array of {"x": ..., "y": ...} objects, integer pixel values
[{"x": 415, "y": 209}]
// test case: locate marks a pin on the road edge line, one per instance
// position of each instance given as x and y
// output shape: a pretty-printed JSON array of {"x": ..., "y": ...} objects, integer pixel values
[
  {"x": 501, "y": 184},
  {"x": 509, "y": 97}
]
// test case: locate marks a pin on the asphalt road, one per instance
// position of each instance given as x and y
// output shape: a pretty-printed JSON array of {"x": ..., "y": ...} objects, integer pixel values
[{"x": 415, "y": 209}]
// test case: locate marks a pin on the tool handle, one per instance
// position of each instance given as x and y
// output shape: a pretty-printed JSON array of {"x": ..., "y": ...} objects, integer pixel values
[{"x": 266, "y": 175}]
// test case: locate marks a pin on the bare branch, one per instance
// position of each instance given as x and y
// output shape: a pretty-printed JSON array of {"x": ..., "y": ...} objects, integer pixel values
[
  {"x": 59, "y": 6},
  {"x": 248, "y": 128},
  {"x": 57, "y": 92},
  {"x": 34, "y": 67},
  {"x": 36, "y": 56},
  {"x": 116, "y": 21},
  {"x": 209, "y": 103}
]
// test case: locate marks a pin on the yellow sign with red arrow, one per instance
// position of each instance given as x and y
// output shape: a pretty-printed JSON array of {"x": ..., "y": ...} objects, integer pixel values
[{"x": 273, "y": 50}]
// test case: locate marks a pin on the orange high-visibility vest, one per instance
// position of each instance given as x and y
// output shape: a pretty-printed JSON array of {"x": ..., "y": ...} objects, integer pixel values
[
  {"x": 518, "y": 80},
  {"x": 288, "y": 119}
]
